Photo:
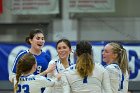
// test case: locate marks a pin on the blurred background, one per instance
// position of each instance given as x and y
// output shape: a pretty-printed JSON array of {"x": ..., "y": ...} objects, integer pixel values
[{"x": 98, "y": 21}]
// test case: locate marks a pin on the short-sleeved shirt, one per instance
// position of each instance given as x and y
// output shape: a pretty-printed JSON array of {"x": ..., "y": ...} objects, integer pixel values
[
  {"x": 119, "y": 81},
  {"x": 34, "y": 83},
  {"x": 96, "y": 83},
  {"x": 42, "y": 61},
  {"x": 59, "y": 69}
]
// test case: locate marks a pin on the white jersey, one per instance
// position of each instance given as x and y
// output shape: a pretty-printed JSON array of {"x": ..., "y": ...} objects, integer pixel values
[
  {"x": 125, "y": 83},
  {"x": 34, "y": 83},
  {"x": 59, "y": 69},
  {"x": 119, "y": 82},
  {"x": 97, "y": 83}
]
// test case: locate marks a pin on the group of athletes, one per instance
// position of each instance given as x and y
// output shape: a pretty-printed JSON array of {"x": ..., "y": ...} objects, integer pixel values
[{"x": 35, "y": 72}]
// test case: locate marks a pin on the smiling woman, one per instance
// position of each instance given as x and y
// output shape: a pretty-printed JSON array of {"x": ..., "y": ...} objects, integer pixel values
[
  {"x": 36, "y": 41},
  {"x": 63, "y": 63},
  {"x": 115, "y": 56}
]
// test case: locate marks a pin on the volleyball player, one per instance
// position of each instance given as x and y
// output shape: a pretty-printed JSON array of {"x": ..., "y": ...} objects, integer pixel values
[{"x": 26, "y": 81}]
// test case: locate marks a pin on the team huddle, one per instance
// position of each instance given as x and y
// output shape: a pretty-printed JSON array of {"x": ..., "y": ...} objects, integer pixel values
[{"x": 35, "y": 72}]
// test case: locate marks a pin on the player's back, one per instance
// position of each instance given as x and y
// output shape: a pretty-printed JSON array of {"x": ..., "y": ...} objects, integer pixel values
[
  {"x": 90, "y": 84},
  {"x": 33, "y": 84}
]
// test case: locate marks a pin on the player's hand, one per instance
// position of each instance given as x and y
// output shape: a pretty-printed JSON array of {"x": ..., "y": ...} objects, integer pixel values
[
  {"x": 51, "y": 68},
  {"x": 58, "y": 76}
]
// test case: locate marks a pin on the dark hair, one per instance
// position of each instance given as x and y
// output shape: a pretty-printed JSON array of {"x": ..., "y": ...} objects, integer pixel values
[
  {"x": 83, "y": 47},
  {"x": 32, "y": 34},
  {"x": 66, "y": 41},
  {"x": 85, "y": 62},
  {"x": 24, "y": 65}
]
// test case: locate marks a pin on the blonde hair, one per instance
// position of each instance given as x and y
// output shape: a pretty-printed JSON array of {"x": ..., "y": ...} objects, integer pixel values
[
  {"x": 85, "y": 64},
  {"x": 121, "y": 56}
]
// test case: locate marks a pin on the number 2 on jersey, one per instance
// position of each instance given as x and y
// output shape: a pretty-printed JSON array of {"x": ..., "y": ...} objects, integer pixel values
[{"x": 25, "y": 88}]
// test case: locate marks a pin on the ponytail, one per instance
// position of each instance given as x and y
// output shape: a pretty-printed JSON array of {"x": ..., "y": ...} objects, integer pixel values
[
  {"x": 18, "y": 74},
  {"x": 123, "y": 62},
  {"x": 122, "y": 56},
  {"x": 85, "y": 65}
]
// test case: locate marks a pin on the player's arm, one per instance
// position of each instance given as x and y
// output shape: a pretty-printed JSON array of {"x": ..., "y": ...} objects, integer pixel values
[
  {"x": 12, "y": 74},
  {"x": 11, "y": 77},
  {"x": 54, "y": 72},
  {"x": 65, "y": 83},
  {"x": 113, "y": 75},
  {"x": 106, "y": 82},
  {"x": 50, "y": 69},
  {"x": 50, "y": 82}
]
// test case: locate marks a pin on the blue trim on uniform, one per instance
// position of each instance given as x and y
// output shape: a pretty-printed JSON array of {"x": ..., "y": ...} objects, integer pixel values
[
  {"x": 122, "y": 79},
  {"x": 20, "y": 54},
  {"x": 85, "y": 79},
  {"x": 71, "y": 68},
  {"x": 60, "y": 62},
  {"x": 56, "y": 67},
  {"x": 122, "y": 82},
  {"x": 42, "y": 90},
  {"x": 48, "y": 79}
]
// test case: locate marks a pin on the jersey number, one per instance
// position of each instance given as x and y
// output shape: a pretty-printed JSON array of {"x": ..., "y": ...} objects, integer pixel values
[
  {"x": 25, "y": 88},
  {"x": 39, "y": 69}
]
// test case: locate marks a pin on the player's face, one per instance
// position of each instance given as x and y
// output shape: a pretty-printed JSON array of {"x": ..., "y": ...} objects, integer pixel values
[
  {"x": 63, "y": 50},
  {"x": 108, "y": 55},
  {"x": 38, "y": 41}
]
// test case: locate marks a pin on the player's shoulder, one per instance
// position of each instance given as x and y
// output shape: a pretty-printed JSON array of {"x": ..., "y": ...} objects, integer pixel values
[
  {"x": 42, "y": 79},
  {"x": 99, "y": 68},
  {"x": 39, "y": 77},
  {"x": 21, "y": 53},
  {"x": 113, "y": 68},
  {"x": 71, "y": 72},
  {"x": 54, "y": 60},
  {"x": 99, "y": 65},
  {"x": 44, "y": 52},
  {"x": 72, "y": 67}
]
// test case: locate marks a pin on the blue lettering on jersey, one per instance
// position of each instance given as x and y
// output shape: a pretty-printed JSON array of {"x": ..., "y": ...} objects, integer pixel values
[
  {"x": 25, "y": 88},
  {"x": 27, "y": 79}
]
